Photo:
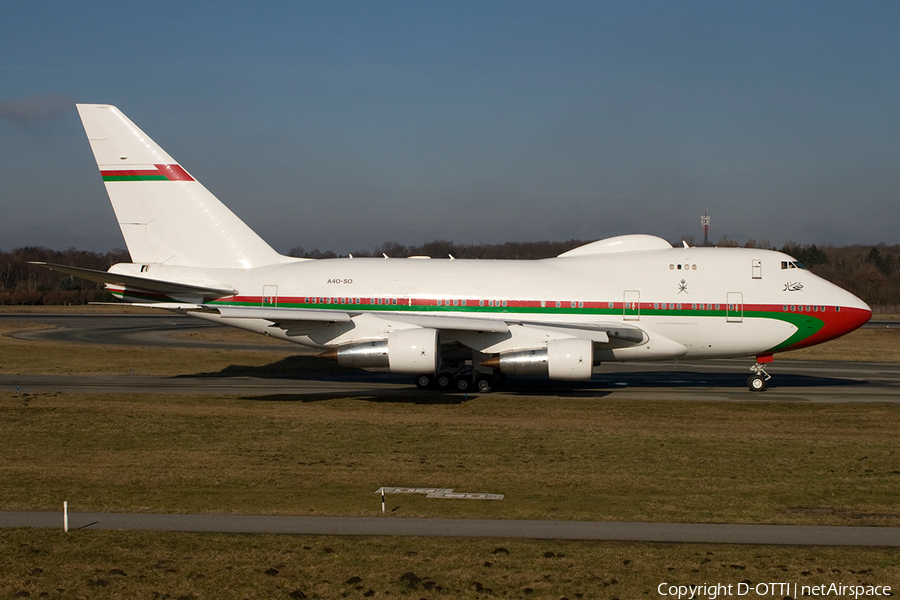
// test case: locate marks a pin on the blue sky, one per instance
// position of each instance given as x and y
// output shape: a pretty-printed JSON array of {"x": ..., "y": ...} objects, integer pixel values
[{"x": 341, "y": 125}]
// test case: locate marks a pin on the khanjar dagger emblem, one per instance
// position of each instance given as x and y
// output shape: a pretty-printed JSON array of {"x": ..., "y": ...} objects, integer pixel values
[{"x": 682, "y": 287}]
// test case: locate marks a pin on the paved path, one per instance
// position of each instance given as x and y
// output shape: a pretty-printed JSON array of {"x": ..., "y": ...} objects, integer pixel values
[{"x": 799, "y": 535}]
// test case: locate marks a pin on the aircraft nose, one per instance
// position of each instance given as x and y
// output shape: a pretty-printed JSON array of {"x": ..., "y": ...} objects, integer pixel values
[
  {"x": 862, "y": 313},
  {"x": 853, "y": 314},
  {"x": 845, "y": 313}
]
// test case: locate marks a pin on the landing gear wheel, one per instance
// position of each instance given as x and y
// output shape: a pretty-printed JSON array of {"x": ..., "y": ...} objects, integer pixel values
[
  {"x": 463, "y": 384},
  {"x": 498, "y": 378},
  {"x": 444, "y": 380},
  {"x": 757, "y": 383},
  {"x": 424, "y": 382},
  {"x": 484, "y": 385}
]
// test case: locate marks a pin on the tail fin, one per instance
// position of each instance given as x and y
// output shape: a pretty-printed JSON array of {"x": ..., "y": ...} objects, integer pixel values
[{"x": 165, "y": 215}]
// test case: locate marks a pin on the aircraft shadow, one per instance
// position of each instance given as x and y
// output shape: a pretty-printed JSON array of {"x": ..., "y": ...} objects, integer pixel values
[
  {"x": 410, "y": 396},
  {"x": 609, "y": 382},
  {"x": 310, "y": 368},
  {"x": 304, "y": 368}
]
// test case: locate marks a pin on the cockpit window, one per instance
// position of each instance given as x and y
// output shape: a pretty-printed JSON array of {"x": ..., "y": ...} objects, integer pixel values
[{"x": 792, "y": 264}]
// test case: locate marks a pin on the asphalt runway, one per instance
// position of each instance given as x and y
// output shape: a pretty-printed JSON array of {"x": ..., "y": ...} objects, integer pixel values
[
  {"x": 706, "y": 533},
  {"x": 295, "y": 374}
]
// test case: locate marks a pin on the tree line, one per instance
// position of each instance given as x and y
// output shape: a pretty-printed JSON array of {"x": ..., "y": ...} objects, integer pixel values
[{"x": 870, "y": 272}]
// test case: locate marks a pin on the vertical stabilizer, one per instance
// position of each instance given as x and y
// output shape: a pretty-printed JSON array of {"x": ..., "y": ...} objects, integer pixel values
[{"x": 165, "y": 215}]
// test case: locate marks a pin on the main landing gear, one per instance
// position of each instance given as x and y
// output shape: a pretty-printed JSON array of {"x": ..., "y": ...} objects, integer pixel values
[
  {"x": 758, "y": 381},
  {"x": 461, "y": 382}
]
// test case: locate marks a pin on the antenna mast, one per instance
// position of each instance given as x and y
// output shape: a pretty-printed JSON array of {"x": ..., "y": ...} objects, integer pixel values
[{"x": 704, "y": 222}]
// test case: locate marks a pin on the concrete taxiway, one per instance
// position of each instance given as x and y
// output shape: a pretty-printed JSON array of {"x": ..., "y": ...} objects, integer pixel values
[{"x": 710, "y": 533}]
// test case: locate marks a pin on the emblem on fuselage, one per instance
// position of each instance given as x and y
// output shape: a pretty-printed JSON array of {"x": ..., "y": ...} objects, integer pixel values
[{"x": 682, "y": 287}]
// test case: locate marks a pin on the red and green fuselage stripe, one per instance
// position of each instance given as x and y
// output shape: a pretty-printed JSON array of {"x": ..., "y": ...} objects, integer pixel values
[{"x": 814, "y": 324}]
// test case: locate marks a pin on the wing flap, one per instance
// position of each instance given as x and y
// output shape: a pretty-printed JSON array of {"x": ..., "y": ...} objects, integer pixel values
[
  {"x": 451, "y": 323},
  {"x": 599, "y": 333},
  {"x": 281, "y": 315}
]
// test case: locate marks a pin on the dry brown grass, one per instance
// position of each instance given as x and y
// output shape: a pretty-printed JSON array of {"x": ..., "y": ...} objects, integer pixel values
[
  {"x": 573, "y": 458},
  {"x": 96, "y": 564},
  {"x": 39, "y": 357},
  {"x": 81, "y": 309}
]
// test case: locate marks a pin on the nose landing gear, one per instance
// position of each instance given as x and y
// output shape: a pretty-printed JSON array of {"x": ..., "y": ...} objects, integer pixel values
[{"x": 758, "y": 382}]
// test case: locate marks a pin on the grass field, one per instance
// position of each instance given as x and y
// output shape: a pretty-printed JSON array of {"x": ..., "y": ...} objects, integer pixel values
[
  {"x": 94, "y": 564},
  {"x": 573, "y": 458}
]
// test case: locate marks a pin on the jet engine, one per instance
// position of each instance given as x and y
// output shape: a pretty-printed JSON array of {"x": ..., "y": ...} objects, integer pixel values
[
  {"x": 570, "y": 358},
  {"x": 415, "y": 351}
]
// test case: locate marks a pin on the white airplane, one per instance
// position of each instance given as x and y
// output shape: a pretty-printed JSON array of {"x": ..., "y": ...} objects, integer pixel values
[{"x": 454, "y": 324}]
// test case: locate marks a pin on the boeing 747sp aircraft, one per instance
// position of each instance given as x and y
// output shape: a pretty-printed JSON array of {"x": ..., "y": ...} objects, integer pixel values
[{"x": 453, "y": 324}]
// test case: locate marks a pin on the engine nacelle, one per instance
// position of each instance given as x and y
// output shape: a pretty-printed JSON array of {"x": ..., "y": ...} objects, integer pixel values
[
  {"x": 571, "y": 358},
  {"x": 414, "y": 351}
]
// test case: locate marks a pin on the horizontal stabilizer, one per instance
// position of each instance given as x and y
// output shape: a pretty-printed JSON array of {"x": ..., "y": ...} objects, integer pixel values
[{"x": 139, "y": 283}]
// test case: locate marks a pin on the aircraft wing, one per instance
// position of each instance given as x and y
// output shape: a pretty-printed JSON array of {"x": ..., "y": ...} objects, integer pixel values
[
  {"x": 139, "y": 283},
  {"x": 312, "y": 315},
  {"x": 297, "y": 321}
]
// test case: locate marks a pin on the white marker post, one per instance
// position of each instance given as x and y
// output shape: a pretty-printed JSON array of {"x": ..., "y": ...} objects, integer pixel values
[
  {"x": 66, "y": 516},
  {"x": 382, "y": 501}
]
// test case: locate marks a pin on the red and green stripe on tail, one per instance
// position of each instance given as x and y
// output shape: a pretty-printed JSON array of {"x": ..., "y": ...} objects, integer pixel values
[{"x": 157, "y": 173}]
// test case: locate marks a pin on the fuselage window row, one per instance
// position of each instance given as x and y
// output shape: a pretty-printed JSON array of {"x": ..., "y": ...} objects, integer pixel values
[{"x": 557, "y": 304}]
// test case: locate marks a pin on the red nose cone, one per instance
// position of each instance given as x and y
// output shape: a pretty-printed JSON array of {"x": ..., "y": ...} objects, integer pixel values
[{"x": 835, "y": 323}]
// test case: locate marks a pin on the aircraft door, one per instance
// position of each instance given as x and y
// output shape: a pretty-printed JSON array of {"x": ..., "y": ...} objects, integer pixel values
[
  {"x": 735, "y": 308},
  {"x": 632, "y": 307},
  {"x": 756, "y": 268},
  {"x": 270, "y": 295}
]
